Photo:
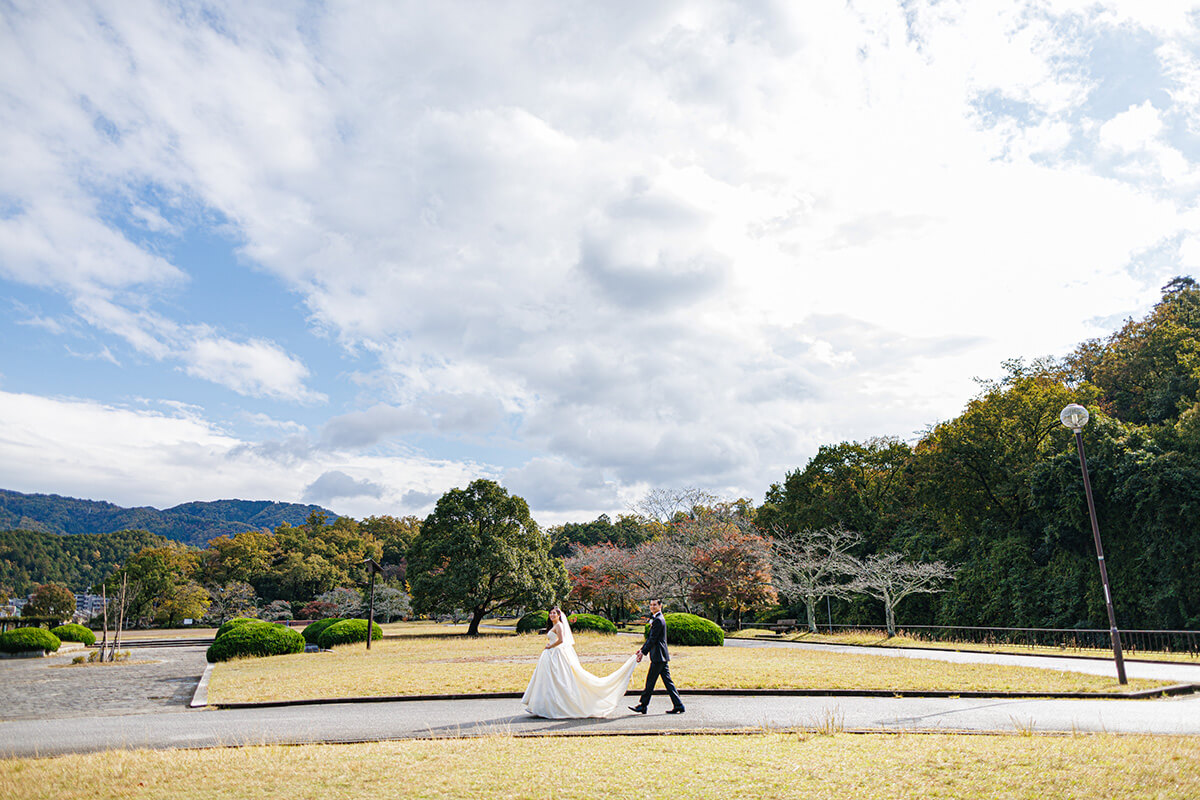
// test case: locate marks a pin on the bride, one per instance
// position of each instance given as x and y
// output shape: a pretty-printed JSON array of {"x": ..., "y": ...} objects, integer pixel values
[{"x": 561, "y": 688}]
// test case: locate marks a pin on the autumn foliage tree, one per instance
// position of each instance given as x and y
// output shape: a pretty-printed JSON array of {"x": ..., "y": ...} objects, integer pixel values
[{"x": 733, "y": 573}]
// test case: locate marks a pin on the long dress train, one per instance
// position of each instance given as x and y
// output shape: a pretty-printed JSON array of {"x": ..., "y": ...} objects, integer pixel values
[{"x": 562, "y": 689}]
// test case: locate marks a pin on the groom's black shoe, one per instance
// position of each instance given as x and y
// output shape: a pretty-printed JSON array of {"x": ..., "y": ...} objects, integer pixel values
[
  {"x": 679, "y": 710},
  {"x": 638, "y": 709}
]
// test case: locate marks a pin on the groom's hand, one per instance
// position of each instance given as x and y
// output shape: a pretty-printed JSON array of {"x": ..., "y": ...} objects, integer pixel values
[{"x": 638, "y": 655}]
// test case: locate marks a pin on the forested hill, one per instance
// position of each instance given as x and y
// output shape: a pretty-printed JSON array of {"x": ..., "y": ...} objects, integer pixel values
[
  {"x": 80, "y": 562},
  {"x": 192, "y": 523}
]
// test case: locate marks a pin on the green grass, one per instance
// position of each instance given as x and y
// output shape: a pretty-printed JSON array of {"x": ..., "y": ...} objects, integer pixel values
[
  {"x": 801, "y": 766},
  {"x": 432, "y": 664}
]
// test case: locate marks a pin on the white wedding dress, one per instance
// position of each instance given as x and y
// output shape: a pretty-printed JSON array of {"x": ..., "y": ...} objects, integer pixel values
[{"x": 562, "y": 689}]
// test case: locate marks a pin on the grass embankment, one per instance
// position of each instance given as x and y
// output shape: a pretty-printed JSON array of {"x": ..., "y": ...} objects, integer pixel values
[
  {"x": 869, "y": 638},
  {"x": 894, "y": 766},
  {"x": 461, "y": 665}
]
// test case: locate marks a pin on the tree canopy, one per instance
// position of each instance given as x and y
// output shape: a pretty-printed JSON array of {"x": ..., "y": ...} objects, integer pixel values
[{"x": 481, "y": 551}]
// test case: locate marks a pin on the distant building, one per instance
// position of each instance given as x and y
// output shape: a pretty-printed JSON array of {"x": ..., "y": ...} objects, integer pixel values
[{"x": 88, "y": 605}]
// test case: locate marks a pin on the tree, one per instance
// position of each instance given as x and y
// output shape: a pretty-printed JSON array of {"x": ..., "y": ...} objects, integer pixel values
[
  {"x": 733, "y": 573},
  {"x": 395, "y": 536},
  {"x": 889, "y": 578},
  {"x": 189, "y": 600},
  {"x": 156, "y": 576},
  {"x": 813, "y": 564},
  {"x": 50, "y": 600},
  {"x": 667, "y": 505},
  {"x": 481, "y": 551},
  {"x": 391, "y": 603},
  {"x": 345, "y": 602},
  {"x": 602, "y": 580},
  {"x": 233, "y": 599}
]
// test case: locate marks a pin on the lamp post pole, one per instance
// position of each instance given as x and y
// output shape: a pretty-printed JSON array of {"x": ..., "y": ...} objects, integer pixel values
[{"x": 1075, "y": 417}]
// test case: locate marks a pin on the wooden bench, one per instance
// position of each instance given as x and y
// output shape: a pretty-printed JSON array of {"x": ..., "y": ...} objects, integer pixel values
[{"x": 783, "y": 626}]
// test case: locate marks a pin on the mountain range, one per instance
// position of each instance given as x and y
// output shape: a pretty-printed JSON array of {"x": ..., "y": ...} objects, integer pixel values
[{"x": 192, "y": 523}]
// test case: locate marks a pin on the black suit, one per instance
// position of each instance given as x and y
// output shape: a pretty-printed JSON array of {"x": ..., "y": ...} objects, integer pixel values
[{"x": 660, "y": 662}]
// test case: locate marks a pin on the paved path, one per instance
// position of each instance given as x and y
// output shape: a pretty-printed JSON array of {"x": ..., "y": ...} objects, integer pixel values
[
  {"x": 39, "y": 688},
  {"x": 1181, "y": 672},
  {"x": 448, "y": 718}
]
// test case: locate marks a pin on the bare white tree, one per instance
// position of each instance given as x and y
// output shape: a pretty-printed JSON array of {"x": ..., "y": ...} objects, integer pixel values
[
  {"x": 663, "y": 504},
  {"x": 889, "y": 578},
  {"x": 812, "y": 565}
]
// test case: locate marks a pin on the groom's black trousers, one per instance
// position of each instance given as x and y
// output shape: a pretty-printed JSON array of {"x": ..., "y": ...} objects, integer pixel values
[{"x": 660, "y": 669}]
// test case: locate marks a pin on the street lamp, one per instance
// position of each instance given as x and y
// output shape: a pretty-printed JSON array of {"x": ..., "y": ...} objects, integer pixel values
[{"x": 1075, "y": 417}]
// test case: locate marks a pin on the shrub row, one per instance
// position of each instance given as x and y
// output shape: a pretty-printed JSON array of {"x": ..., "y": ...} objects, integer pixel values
[
  {"x": 255, "y": 638},
  {"x": 533, "y": 621},
  {"x": 25, "y": 640},
  {"x": 590, "y": 622},
  {"x": 74, "y": 633},
  {"x": 692, "y": 631},
  {"x": 348, "y": 631}
]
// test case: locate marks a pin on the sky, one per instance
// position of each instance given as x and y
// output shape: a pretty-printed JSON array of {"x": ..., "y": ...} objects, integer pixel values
[{"x": 360, "y": 253}]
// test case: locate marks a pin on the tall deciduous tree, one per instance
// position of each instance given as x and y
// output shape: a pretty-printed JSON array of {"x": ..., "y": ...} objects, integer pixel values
[
  {"x": 481, "y": 551},
  {"x": 813, "y": 564},
  {"x": 50, "y": 600},
  {"x": 889, "y": 578}
]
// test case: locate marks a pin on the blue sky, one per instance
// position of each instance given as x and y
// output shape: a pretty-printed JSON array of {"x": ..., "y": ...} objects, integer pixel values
[{"x": 361, "y": 253}]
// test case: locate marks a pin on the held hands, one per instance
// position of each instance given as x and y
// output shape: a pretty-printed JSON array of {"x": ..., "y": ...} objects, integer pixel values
[{"x": 638, "y": 655}]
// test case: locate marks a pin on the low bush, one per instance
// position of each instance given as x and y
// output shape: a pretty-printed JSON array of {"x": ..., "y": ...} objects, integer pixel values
[
  {"x": 255, "y": 639},
  {"x": 692, "y": 631},
  {"x": 233, "y": 623},
  {"x": 26, "y": 640},
  {"x": 591, "y": 622},
  {"x": 312, "y": 632},
  {"x": 534, "y": 621},
  {"x": 74, "y": 633},
  {"x": 348, "y": 631}
]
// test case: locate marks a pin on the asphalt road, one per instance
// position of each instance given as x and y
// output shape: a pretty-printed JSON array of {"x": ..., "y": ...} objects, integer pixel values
[{"x": 450, "y": 718}]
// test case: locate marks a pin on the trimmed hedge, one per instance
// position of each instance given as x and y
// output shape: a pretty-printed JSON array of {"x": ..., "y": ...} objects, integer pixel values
[
  {"x": 312, "y": 632},
  {"x": 26, "y": 640},
  {"x": 534, "y": 622},
  {"x": 255, "y": 639},
  {"x": 590, "y": 622},
  {"x": 348, "y": 631},
  {"x": 691, "y": 631},
  {"x": 74, "y": 633},
  {"x": 233, "y": 623}
]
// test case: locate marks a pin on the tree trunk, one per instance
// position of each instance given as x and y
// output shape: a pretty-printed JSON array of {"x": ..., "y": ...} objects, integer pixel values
[
  {"x": 810, "y": 604},
  {"x": 476, "y": 618},
  {"x": 891, "y": 618}
]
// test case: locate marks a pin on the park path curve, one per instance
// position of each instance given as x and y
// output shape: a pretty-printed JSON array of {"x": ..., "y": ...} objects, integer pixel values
[{"x": 359, "y": 722}]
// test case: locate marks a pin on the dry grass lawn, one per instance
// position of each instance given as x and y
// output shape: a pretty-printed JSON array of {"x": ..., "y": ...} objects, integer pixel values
[
  {"x": 872, "y": 767},
  {"x": 879, "y": 639},
  {"x": 460, "y": 665}
]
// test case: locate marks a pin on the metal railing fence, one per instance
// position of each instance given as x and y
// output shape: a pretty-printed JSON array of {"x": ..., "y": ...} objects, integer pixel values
[{"x": 1076, "y": 639}]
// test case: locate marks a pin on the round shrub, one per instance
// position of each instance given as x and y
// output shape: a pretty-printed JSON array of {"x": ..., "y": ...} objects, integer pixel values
[
  {"x": 25, "y": 640},
  {"x": 74, "y": 633},
  {"x": 312, "y": 632},
  {"x": 255, "y": 639},
  {"x": 534, "y": 621},
  {"x": 693, "y": 631},
  {"x": 590, "y": 622},
  {"x": 348, "y": 631},
  {"x": 233, "y": 623}
]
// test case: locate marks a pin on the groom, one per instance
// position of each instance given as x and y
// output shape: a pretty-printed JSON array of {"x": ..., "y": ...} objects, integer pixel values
[{"x": 660, "y": 662}]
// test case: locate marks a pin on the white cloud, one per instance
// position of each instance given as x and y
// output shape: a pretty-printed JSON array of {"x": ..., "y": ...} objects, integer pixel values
[
  {"x": 672, "y": 244},
  {"x": 256, "y": 368},
  {"x": 134, "y": 456}
]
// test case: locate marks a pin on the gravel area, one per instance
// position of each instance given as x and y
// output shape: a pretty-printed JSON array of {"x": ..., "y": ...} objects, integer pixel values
[{"x": 52, "y": 688}]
